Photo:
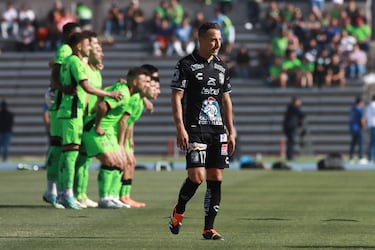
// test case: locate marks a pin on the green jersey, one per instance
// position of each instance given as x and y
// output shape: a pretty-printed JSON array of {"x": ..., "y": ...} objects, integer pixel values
[
  {"x": 117, "y": 107},
  {"x": 95, "y": 80},
  {"x": 61, "y": 54},
  {"x": 72, "y": 72},
  {"x": 136, "y": 107}
]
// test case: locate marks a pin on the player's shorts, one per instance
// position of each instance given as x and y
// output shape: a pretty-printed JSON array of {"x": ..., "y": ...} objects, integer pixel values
[
  {"x": 207, "y": 150},
  {"x": 55, "y": 124},
  {"x": 71, "y": 130},
  {"x": 99, "y": 144}
]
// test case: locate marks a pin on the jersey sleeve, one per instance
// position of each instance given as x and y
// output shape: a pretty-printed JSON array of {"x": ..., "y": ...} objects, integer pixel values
[
  {"x": 79, "y": 70},
  {"x": 179, "y": 80},
  {"x": 62, "y": 53},
  {"x": 227, "y": 85}
]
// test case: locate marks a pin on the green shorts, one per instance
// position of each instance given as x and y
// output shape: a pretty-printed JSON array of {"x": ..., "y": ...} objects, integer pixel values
[
  {"x": 96, "y": 144},
  {"x": 55, "y": 124},
  {"x": 71, "y": 130}
]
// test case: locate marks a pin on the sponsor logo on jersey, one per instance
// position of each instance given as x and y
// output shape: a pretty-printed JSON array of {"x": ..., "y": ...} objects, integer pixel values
[
  {"x": 210, "y": 91},
  {"x": 221, "y": 78},
  {"x": 219, "y": 67},
  {"x": 199, "y": 76},
  {"x": 211, "y": 81},
  {"x": 195, "y": 67}
]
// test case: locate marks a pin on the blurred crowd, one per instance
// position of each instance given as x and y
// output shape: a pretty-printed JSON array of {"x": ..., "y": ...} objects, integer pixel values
[{"x": 321, "y": 46}]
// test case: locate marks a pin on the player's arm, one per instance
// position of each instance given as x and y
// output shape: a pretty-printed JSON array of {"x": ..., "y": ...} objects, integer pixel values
[
  {"x": 121, "y": 133},
  {"x": 228, "y": 120},
  {"x": 181, "y": 136},
  {"x": 103, "y": 108},
  {"x": 99, "y": 92},
  {"x": 148, "y": 104},
  {"x": 129, "y": 135}
]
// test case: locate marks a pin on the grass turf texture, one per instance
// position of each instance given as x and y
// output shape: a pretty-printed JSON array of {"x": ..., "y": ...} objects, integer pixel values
[{"x": 259, "y": 210}]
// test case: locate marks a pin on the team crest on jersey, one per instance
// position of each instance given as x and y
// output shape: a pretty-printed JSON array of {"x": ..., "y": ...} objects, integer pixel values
[{"x": 221, "y": 78}]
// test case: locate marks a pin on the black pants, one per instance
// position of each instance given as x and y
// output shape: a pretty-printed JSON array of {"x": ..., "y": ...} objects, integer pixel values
[{"x": 290, "y": 141}]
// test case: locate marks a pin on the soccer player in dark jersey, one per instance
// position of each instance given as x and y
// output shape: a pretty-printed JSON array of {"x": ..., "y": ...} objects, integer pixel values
[{"x": 202, "y": 111}]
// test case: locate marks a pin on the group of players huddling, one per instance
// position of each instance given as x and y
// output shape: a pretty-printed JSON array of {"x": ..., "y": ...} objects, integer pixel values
[{"x": 87, "y": 121}]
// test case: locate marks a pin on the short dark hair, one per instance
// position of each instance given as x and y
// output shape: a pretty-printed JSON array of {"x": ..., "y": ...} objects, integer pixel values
[
  {"x": 202, "y": 31},
  {"x": 90, "y": 33},
  {"x": 69, "y": 27},
  {"x": 134, "y": 72},
  {"x": 150, "y": 68},
  {"x": 76, "y": 38}
]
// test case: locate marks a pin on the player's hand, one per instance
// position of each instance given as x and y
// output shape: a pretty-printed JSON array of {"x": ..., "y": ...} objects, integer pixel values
[
  {"x": 116, "y": 95},
  {"x": 231, "y": 144},
  {"x": 182, "y": 139},
  {"x": 100, "y": 131},
  {"x": 149, "y": 106}
]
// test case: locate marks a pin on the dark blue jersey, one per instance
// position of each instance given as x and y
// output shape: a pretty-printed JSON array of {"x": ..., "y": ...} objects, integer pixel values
[{"x": 204, "y": 84}]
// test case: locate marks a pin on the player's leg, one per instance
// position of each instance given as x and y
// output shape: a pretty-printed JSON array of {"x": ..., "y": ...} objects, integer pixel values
[
  {"x": 52, "y": 163},
  {"x": 217, "y": 160},
  {"x": 71, "y": 140}
]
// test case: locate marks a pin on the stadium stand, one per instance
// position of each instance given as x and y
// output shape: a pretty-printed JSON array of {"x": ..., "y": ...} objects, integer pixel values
[{"x": 258, "y": 108}]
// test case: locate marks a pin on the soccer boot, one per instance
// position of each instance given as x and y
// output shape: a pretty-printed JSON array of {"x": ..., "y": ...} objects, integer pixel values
[
  {"x": 70, "y": 202},
  {"x": 211, "y": 234},
  {"x": 52, "y": 199},
  {"x": 175, "y": 222}
]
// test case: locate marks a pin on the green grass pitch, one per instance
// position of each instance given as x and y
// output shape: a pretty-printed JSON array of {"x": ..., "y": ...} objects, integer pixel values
[{"x": 259, "y": 210}]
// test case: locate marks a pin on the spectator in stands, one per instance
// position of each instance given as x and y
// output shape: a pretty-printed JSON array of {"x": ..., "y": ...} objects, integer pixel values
[
  {"x": 253, "y": 13},
  {"x": 66, "y": 17},
  {"x": 175, "y": 13},
  {"x": 242, "y": 63},
  {"x": 227, "y": 30},
  {"x": 287, "y": 13},
  {"x": 225, "y": 6},
  {"x": 275, "y": 78},
  {"x": 335, "y": 11},
  {"x": 273, "y": 17},
  {"x": 134, "y": 20},
  {"x": 357, "y": 62},
  {"x": 362, "y": 32},
  {"x": 185, "y": 42},
  {"x": 9, "y": 21},
  {"x": 162, "y": 9},
  {"x": 293, "y": 120},
  {"x": 291, "y": 68},
  {"x": 321, "y": 65},
  {"x": 162, "y": 38},
  {"x": 25, "y": 39},
  {"x": 114, "y": 22},
  {"x": 306, "y": 73},
  {"x": 53, "y": 18},
  {"x": 84, "y": 16},
  {"x": 347, "y": 42},
  {"x": 312, "y": 50},
  {"x": 26, "y": 13},
  {"x": 357, "y": 123},
  {"x": 280, "y": 43},
  {"x": 370, "y": 121},
  {"x": 199, "y": 19},
  {"x": 317, "y": 7},
  {"x": 335, "y": 72},
  {"x": 6, "y": 127}
]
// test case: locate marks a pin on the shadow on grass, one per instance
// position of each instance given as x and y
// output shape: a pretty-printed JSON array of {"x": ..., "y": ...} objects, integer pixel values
[
  {"x": 266, "y": 219},
  {"x": 340, "y": 220},
  {"x": 24, "y": 206}
]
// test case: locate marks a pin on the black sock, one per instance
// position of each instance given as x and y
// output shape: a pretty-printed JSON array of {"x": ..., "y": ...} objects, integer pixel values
[
  {"x": 211, "y": 203},
  {"x": 187, "y": 191}
]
